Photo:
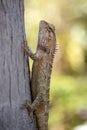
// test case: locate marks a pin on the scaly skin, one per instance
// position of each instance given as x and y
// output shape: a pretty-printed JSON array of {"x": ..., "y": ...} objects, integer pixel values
[{"x": 41, "y": 73}]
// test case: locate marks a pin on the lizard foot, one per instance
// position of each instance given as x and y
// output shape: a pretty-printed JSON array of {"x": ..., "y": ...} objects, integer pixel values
[
  {"x": 24, "y": 45},
  {"x": 27, "y": 106}
]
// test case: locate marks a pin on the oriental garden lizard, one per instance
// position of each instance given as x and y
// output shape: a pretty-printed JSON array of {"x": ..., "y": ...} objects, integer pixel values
[{"x": 41, "y": 73}]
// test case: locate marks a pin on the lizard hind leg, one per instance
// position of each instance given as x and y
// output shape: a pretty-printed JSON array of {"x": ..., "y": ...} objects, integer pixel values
[
  {"x": 36, "y": 102},
  {"x": 32, "y": 107}
]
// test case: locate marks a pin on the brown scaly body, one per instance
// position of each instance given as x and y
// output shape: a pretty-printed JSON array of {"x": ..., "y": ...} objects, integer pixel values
[{"x": 41, "y": 72}]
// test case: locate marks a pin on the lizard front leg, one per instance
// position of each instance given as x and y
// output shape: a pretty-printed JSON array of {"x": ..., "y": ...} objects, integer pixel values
[{"x": 29, "y": 52}]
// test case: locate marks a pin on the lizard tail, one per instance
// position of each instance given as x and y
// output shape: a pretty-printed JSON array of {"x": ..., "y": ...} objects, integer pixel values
[{"x": 42, "y": 119}]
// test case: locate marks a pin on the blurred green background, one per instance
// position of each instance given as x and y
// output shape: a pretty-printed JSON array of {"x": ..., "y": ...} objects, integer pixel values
[{"x": 68, "y": 94}]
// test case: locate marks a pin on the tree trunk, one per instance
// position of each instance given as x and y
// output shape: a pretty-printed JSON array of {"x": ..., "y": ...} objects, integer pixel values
[{"x": 14, "y": 71}]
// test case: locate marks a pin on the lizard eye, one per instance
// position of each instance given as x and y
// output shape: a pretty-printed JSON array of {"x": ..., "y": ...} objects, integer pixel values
[{"x": 51, "y": 27}]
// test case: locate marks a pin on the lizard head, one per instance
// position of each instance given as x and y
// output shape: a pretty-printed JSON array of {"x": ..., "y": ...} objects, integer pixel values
[{"x": 47, "y": 39}]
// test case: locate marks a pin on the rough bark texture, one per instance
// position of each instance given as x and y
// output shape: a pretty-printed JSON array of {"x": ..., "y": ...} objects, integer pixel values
[{"x": 14, "y": 71}]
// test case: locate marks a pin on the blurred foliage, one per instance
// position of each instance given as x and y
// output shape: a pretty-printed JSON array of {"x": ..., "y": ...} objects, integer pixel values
[{"x": 69, "y": 77}]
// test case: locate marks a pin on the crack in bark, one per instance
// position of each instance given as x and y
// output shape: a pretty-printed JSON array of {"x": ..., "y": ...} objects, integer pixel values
[
  {"x": 18, "y": 81},
  {"x": 9, "y": 86},
  {"x": 3, "y": 6}
]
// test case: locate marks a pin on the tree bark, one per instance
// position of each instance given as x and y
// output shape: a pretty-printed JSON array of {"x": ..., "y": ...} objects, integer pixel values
[{"x": 14, "y": 70}]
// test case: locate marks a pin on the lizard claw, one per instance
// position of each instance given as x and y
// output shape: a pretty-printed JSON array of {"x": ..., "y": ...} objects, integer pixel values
[
  {"x": 24, "y": 45},
  {"x": 29, "y": 106}
]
